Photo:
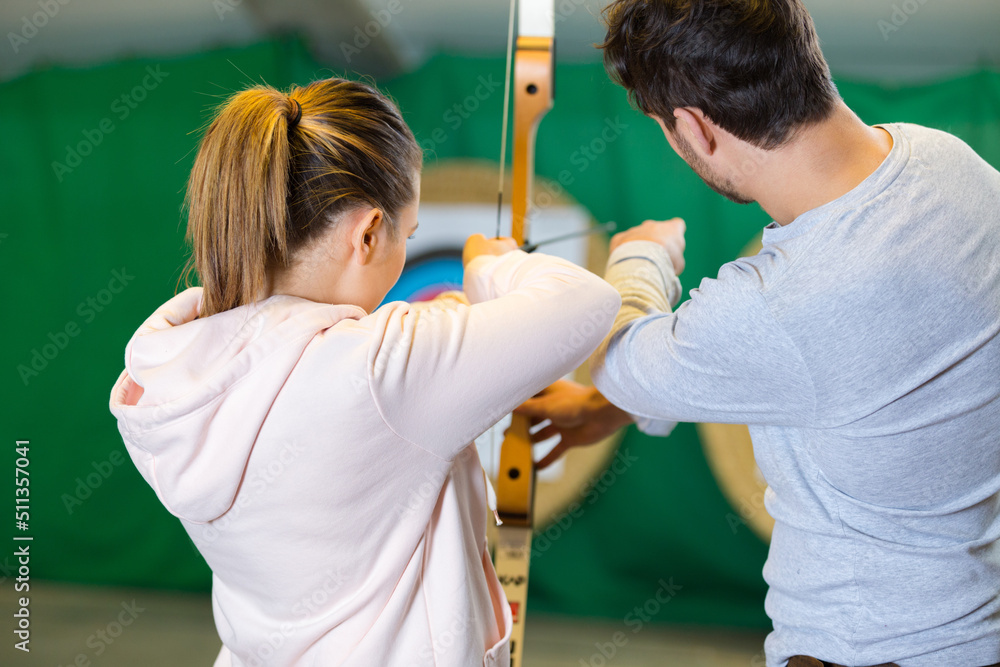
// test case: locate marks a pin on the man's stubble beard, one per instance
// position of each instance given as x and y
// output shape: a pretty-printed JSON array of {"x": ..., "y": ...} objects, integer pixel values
[{"x": 723, "y": 186}]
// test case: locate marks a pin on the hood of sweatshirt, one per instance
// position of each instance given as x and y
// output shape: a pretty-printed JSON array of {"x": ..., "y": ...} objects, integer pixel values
[{"x": 195, "y": 392}]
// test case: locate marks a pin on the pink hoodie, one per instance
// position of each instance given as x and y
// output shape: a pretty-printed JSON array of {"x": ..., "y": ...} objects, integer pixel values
[{"x": 319, "y": 457}]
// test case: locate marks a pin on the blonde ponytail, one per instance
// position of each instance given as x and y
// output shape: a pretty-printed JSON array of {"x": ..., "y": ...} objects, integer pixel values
[{"x": 273, "y": 171}]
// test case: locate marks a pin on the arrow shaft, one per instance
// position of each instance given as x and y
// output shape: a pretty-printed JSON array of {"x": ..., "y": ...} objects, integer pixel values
[{"x": 606, "y": 227}]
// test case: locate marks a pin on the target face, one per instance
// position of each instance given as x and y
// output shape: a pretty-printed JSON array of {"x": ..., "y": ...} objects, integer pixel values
[{"x": 427, "y": 275}]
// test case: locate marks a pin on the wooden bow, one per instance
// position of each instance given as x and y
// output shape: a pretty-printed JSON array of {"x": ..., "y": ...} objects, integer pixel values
[{"x": 534, "y": 91}]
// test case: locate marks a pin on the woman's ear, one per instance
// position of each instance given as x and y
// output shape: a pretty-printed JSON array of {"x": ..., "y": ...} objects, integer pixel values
[{"x": 367, "y": 234}]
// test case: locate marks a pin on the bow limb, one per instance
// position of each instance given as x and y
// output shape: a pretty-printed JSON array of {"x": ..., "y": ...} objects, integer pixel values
[{"x": 534, "y": 95}]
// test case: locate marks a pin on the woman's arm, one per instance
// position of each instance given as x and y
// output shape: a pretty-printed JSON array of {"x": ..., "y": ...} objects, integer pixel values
[{"x": 443, "y": 373}]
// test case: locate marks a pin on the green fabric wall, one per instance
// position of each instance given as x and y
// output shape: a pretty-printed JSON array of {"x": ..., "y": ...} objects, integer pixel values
[{"x": 63, "y": 233}]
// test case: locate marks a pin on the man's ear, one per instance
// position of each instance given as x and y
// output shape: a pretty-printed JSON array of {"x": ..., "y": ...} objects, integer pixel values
[
  {"x": 696, "y": 126},
  {"x": 366, "y": 235}
]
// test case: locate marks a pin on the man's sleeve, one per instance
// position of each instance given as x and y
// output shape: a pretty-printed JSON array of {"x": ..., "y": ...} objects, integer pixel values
[{"x": 721, "y": 357}]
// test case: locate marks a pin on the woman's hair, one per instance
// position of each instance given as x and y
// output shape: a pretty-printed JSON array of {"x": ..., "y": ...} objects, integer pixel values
[
  {"x": 275, "y": 170},
  {"x": 754, "y": 67}
]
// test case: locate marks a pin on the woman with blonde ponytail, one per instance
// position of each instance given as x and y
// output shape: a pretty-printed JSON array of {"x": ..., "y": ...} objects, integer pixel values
[{"x": 315, "y": 446}]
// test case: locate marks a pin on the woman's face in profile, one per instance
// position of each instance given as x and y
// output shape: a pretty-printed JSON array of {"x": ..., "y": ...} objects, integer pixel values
[{"x": 387, "y": 268}]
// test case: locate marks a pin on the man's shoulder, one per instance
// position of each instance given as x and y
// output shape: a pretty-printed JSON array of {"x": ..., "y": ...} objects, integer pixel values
[
  {"x": 914, "y": 131},
  {"x": 746, "y": 282},
  {"x": 943, "y": 168},
  {"x": 930, "y": 143}
]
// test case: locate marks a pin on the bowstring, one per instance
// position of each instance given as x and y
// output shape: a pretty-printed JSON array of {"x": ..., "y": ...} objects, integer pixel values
[
  {"x": 506, "y": 107},
  {"x": 503, "y": 161}
]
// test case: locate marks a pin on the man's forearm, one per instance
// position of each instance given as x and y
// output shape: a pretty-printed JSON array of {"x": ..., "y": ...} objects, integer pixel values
[{"x": 644, "y": 276}]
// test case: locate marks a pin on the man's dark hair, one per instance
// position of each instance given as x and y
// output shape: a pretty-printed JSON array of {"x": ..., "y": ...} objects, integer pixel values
[{"x": 754, "y": 67}]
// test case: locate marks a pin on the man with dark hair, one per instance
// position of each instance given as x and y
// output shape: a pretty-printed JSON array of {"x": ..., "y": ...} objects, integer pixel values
[{"x": 861, "y": 345}]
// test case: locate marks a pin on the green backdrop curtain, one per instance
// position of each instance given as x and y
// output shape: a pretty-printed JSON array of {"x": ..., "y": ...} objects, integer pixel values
[{"x": 93, "y": 166}]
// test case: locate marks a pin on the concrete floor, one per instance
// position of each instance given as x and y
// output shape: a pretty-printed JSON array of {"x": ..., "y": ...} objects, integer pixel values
[{"x": 112, "y": 627}]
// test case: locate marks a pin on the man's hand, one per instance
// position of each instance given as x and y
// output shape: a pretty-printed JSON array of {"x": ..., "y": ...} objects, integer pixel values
[
  {"x": 669, "y": 234},
  {"x": 477, "y": 245},
  {"x": 580, "y": 416}
]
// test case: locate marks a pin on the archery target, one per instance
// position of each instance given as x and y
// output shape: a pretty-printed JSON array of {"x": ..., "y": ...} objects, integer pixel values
[{"x": 427, "y": 275}]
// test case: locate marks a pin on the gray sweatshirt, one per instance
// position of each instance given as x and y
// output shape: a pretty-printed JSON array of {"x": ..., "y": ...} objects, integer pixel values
[{"x": 861, "y": 346}]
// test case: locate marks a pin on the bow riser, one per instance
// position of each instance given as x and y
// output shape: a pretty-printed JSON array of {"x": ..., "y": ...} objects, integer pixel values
[{"x": 534, "y": 92}]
